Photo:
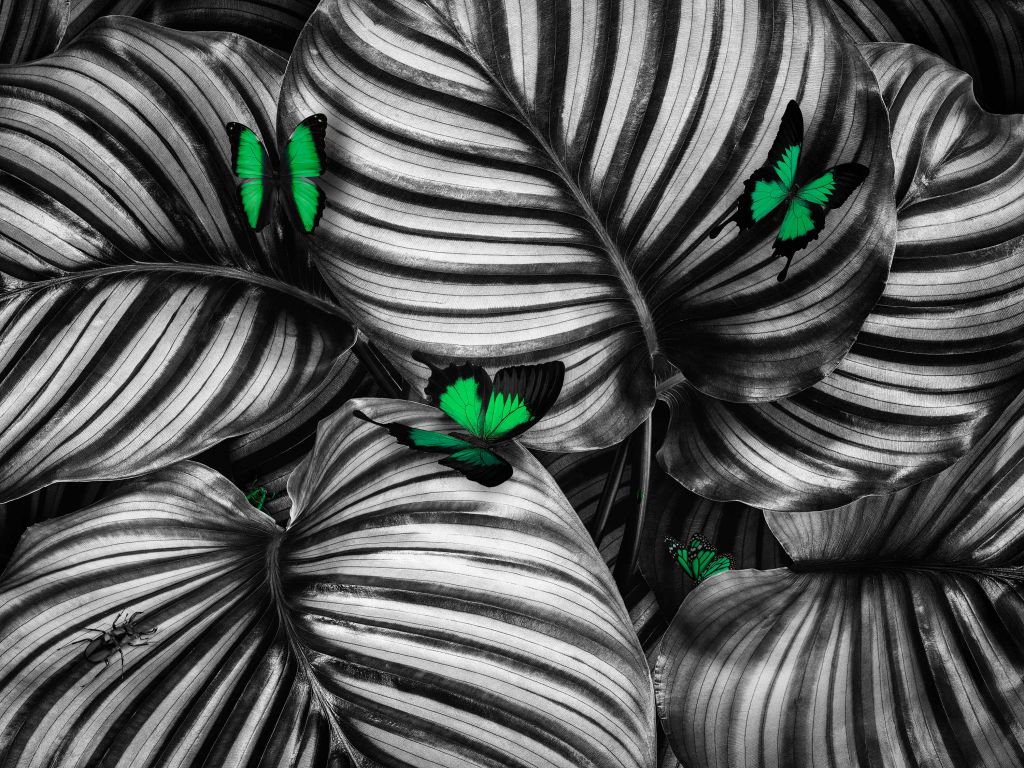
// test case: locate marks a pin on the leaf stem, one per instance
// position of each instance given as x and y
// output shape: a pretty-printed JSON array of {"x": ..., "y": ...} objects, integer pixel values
[
  {"x": 639, "y": 486},
  {"x": 368, "y": 356},
  {"x": 610, "y": 490}
]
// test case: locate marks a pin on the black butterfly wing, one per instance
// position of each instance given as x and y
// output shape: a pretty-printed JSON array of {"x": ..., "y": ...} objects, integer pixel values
[
  {"x": 461, "y": 391},
  {"x": 520, "y": 396},
  {"x": 480, "y": 465},
  {"x": 251, "y": 164}
]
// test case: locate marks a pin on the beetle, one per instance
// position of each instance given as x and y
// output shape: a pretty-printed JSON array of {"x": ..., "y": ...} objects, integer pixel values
[{"x": 131, "y": 631}]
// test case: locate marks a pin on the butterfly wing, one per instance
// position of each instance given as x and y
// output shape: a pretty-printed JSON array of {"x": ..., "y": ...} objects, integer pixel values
[
  {"x": 682, "y": 556},
  {"x": 480, "y": 465},
  {"x": 305, "y": 160},
  {"x": 520, "y": 396},
  {"x": 805, "y": 215},
  {"x": 477, "y": 464},
  {"x": 251, "y": 163},
  {"x": 718, "y": 564},
  {"x": 768, "y": 187},
  {"x": 460, "y": 391}
]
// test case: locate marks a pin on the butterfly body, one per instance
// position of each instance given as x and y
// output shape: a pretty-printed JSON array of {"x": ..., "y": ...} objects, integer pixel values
[
  {"x": 291, "y": 183},
  {"x": 779, "y": 192},
  {"x": 699, "y": 559},
  {"x": 489, "y": 412}
]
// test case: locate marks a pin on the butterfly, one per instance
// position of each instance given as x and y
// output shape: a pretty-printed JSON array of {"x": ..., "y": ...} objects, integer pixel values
[
  {"x": 489, "y": 413},
  {"x": 302, "y": 161},
  {"x": 700, "y": 560},
  {"x": 798, "y": 209}
]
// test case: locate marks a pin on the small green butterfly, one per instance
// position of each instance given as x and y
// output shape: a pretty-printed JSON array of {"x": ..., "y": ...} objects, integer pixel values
[
  {"x": 798, "y": 209},
  {"x": 489, "y": 412},
  {"x": 700, "y": 560},
  {"x": 257, "y": 496},
  {"x": 302, "y": 161}
]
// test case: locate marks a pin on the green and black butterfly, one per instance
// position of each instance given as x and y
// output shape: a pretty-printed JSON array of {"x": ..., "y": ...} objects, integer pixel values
[
  {"x": 699, "y": 559},
  {"x": 797, "y": 208},
  {"x": 489, "y": 412},
  {"x": 258, "y": 496},
  {"x": 302, "y": 161}
]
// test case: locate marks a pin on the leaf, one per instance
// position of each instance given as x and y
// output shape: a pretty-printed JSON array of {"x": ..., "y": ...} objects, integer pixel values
[
  {"x": 275, "y": 23},
  {"x": 733, "y": 528},
  {"x": 405, "y": 611},
  {"x": 895, "y": 641},
  {"x": 31, "y": 28},
  {"x": 521, "y": 182},
  {"x": 140, "y": 320},
  {"x": 940, "y": 355},
  {"x": 982, "y": 37}
]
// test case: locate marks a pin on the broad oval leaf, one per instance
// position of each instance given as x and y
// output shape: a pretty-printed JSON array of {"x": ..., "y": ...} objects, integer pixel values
[
  {"x": 140, "y": 320},
  {"x": 982, "y": 37},
  {"x": 895, "y": 641},
  {"x": 275, "y": 23},
  {"x": 529, "y": 181},
  {"x": 940, "y": 355},
  {"x": 407, "y": 617}
]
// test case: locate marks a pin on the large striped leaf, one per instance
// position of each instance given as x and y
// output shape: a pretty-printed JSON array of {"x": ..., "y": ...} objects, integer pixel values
[
  {"x": 982, "y": 37},
  {"x": 140, "y": 320},
  {"x": 275, "y": 23},
  {"x": 406, "y": 618},
  {"x": 941, "y": 354},
  {"x": 524, "y": 181},
  {"x": 896, "y": 641}
]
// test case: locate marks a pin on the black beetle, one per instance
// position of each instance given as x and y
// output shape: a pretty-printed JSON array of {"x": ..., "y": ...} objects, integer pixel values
[{"x": 128, "y": 631}]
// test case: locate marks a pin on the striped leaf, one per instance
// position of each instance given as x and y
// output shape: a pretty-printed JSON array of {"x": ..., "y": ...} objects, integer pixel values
[
  {"x": 140, "y": 320},
  {"x": 982, "y": 37},
  {"x": 406, "y": 618},
  {"x": 894, "y": 641},
  {"x": 940, "y": 355},
  {"x": 518, "y": 182},
  {"x": 31, "y": 28},
  {"x": 275, "y": 23}
]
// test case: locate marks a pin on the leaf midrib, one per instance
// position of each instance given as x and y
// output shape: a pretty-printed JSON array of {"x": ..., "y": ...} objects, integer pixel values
[
  {"x": 618, "y": 261},
  {"x": 1010, "y": 573},
  {"x": 233, "y": 273}
]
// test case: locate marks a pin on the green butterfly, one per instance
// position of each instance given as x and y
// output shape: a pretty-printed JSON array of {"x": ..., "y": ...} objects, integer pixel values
[
  {"x": 700, "y": 560},
  {"x": 257, "y": 496},
  {"x": 489, "y": 412},
  {"x": 302, "y": 161},
  {"x": 798, "y": 209}
]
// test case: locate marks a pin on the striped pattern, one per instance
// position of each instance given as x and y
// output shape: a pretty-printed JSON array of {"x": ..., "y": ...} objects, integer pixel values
[
  {"x": 113, "y": 376},
  {"x": 733, "y": 528},
  {"x": 456, "y": 625},
  {"x": 216, "y": 687},
  {"x": 30, "y": 28},
  {"x": 274, "y": 23},
  {"x": 521, "y": 181},
  {"x": 940, "y": 355},
  {"x": 118, "y": 153},
  {"x": 896, "y": 643},
  {"x": 140, "y": 320},
  {"x": 982, "y": 37},
  {"x": 407, "y": 618}
]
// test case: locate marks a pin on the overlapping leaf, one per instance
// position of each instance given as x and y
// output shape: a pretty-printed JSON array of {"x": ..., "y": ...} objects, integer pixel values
[
  {"x": 897, "y": 641},
  {"x": 275, "y": 23},
  {"x": 941, "y": 353},
  {"x": 529, "y": 181},
  {"x": 406, "y": 618},
  {"x": 982, "y": 37},
  {"x": 140, "y": 321}
]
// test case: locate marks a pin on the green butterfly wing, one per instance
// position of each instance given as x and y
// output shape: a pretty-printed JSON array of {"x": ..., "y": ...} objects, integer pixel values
[
  {"x": 304, "y": 161},
  {"x": 769, "y": 186},
  {"x": 251, "y": 164},
  {"x": 700, "y": 560},
  {"x": 480, "y": 465},
  {"x": 460, "y": 391},
  {"x": 520, "y": 396},
  {"x": 477, "y": 464}
]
